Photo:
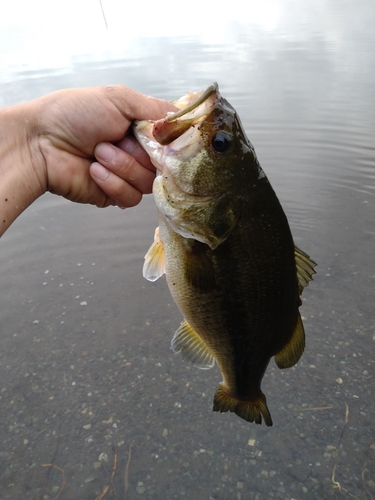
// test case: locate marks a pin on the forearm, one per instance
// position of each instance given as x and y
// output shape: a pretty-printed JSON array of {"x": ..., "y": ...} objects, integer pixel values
[{"x": 19, "y": 181}]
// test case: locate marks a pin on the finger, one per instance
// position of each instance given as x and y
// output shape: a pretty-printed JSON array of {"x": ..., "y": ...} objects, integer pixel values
[
  {"x": 125, "y": 166},
  {"x": 131, "y": 146},
  {"x": 124, "y": 194},
  {"x": 134, "y": 105}
]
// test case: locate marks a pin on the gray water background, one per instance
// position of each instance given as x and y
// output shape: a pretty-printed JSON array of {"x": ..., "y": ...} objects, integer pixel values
[{"x": 85, "y": 360}]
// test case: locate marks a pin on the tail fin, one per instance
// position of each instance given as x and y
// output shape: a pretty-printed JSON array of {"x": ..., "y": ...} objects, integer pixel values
[{"x": 251, "y": 410}]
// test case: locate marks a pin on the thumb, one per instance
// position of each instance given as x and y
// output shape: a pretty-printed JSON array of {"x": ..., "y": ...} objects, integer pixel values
[{"x": 136, "y": 106}]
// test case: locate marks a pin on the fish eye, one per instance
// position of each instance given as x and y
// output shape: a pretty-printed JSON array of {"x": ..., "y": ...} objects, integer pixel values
[{"x": 221, "y": 142}]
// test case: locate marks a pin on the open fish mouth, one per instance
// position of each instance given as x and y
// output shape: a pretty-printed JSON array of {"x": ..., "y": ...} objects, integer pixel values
[
  {"x": 194, "y": 107},
  {"x": 191, "y": 101}
]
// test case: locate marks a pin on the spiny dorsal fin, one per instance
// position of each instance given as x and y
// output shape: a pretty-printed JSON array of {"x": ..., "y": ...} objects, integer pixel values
[
  {"x": 154, "y": 264},
  {"x": 305, "y": 268},
  {"x": 192, "y": 348},
  {"x": 292, "y": 351}
]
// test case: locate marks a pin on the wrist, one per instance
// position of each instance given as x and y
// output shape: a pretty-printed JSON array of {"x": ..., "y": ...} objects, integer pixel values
[{"x": 21, "y": 163}]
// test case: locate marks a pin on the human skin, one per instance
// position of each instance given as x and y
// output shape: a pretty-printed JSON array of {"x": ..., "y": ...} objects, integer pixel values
[{"x": 73, "y": 143}]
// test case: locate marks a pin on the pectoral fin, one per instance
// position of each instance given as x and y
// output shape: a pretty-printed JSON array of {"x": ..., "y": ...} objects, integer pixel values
[
  {"x": 292, "y": 351},
  {"x": 305, "y": 268},
  {"x": 154, "y": 265},
  {"x": 198, "y": 269},
  {"x": 192, "y": 348}
]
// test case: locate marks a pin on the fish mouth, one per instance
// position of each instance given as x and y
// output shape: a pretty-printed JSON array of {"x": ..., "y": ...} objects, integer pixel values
[
  {"x": 191, "y": 101},
  {"x": 193, "y": 109}
]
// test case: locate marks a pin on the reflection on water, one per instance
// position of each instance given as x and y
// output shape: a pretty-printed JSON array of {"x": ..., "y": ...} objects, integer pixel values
[{"x": 85, "y": 361}]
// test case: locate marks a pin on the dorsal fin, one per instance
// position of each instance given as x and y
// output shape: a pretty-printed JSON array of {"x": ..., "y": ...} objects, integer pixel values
[
  {"x": 292, "y": 351},
  {"x": 154, "y": 264},
  {"x": 305, "y": 268},
  {"x": 192, "y": 348}
]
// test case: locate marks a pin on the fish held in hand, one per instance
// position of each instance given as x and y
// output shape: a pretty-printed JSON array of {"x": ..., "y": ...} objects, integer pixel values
[{"x": 225, "y": 246}]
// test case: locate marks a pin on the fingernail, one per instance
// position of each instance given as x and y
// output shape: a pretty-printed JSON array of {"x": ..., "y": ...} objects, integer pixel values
[
  {"x": 105, "y": 151},
  {"x": 98, "y": 171}
]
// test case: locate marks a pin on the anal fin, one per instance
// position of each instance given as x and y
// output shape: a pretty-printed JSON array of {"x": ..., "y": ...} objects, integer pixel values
[
  {"x": 251, "y": 410},
  {"x": 292, "y": 351},
  {"x": 189, "y": 344}
]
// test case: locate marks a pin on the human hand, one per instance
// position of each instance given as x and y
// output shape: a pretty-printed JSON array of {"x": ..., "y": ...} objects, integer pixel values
[
  {"x": 73, "y": 143},
  {"x": 123, "y": 171},
  {"x": 76, "y": 126}
]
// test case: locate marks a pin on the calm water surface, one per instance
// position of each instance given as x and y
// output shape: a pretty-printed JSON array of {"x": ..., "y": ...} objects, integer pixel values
[{"x": 85, "y": 360}]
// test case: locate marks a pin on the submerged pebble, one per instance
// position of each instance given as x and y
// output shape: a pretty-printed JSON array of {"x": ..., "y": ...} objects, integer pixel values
[{"x": 141, "y": 488}]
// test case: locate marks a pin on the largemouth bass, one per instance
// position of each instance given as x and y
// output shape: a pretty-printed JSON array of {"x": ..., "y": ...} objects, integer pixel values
[{"x": 226, "y": 248}]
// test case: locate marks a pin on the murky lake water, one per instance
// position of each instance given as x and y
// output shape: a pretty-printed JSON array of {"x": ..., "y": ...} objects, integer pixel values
[{"x": 85, "y": 360}]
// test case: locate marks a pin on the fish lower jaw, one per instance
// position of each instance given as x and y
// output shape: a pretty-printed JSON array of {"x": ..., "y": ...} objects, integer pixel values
[{"x": 251, "y": 410}]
